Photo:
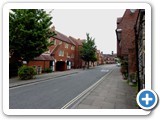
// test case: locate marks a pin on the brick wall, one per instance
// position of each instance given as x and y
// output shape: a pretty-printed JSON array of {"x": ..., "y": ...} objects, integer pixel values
[
  {"x": 127, "y": 24},
  {"x": 41, "y": 64},
  {"x": 69, "y": 53},
  {"x": 126, "y": 45}
]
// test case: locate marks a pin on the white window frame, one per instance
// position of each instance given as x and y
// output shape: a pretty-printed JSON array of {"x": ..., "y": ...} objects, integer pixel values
[
  {"x": 66, "y": 45},
  {"x": 61, "y": 53},
  {"x": 72, "y": 47},
  {"x": 60, "y": 42},
  {"x": 54, "y": 41}
]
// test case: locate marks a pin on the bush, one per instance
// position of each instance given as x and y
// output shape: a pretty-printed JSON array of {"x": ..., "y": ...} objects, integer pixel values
[
  {"x": 124, "y": 68},
  {"x": 47, "y": 70},
  {"x": 26, "y": 72}
]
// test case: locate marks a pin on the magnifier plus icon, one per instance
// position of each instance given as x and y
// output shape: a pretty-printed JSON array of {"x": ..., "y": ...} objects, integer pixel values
[{"x": 147, "y": 99}]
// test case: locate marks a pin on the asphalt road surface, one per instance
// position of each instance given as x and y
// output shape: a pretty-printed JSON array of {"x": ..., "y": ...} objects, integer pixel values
[{"x": 56, "y": 92}]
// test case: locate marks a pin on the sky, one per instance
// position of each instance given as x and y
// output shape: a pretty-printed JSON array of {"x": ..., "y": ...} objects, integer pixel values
[{"x": 99, "y": 23}]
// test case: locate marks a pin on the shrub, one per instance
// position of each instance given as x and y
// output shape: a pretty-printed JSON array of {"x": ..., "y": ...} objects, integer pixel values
[
  {"x": 124, "y": 68},
  {"x": 26, "y": 72},
  {"x": 133, "y": 77},
  {"x": 47, "y": 70}
]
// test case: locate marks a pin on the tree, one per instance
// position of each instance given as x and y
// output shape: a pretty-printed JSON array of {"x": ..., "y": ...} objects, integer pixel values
[
  {"x": 94, "y": 59},
  {"x": 88, "y": 50},
  {"x": 29, "y": 31}
]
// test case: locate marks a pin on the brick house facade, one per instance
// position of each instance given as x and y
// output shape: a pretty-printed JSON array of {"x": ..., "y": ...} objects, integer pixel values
[
  {"x": 126, "y": 38},
  {"x": 42, "y": 62},
  {"x": 110, "y": 58},
  {"x": 79, "y": 63},
  {"x": 62, "y": 51},
  {"x": 62, "y": 55}
]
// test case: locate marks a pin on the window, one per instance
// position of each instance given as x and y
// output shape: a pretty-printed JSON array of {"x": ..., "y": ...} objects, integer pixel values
[
  {"x": 61, "y": 53},
  {"x": 66, "y": 45},
  {"x": 72, "y": 48},
  {"x": 54, "y": 42},
  {"x": 60, "y": 42},
  {"x": 49, "y": 40}
]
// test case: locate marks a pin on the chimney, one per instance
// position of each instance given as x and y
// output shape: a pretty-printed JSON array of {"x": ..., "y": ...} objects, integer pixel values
[
  {"x": 112, "y": 52},
  {"x": 53, "y": 28}
]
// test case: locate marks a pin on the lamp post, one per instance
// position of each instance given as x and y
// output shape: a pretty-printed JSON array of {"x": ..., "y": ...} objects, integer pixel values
[{"x": 119, "y": 31}]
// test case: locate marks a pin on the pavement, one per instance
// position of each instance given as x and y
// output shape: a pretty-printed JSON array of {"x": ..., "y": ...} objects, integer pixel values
[
  {"x": 14, "y": 82},
  {"x": 112, "y": 93}
]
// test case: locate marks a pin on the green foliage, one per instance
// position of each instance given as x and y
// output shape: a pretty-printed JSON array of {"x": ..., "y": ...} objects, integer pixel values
[
  {"x": 94, "y": 58},
  {"x": 88, "y": 50},
  {"x": 28, "y": 33},
  {"x": 47, "y": 70},
  {"x": 124, "y": 68},
  {"x": 26, "y": 72}
]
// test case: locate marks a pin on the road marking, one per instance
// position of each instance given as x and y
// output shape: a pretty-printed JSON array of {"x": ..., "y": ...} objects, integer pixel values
[
  {"x": 104, "y": 70},
  {"x": 85, "y": 91}
]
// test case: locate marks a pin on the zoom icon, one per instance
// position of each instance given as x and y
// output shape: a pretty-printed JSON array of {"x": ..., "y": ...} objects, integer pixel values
[{"x": 147, "y": 99}]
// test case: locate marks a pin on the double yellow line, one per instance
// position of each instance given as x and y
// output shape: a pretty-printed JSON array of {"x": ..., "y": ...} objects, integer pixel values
[{"x": 85, "y": 91}]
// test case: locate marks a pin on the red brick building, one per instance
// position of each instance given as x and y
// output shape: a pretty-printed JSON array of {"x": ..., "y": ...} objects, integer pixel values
[
  {"x": 79, "y": 63},
  {"x": 100, "y": 58},
  {"x": 62, "y": 53},
  {"x": 110, "y": 58},
  {"x": 42, "y": 62},
  {"x": 126, "y": 38}
]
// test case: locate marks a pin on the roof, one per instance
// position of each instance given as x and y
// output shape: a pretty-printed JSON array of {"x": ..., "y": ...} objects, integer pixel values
[
  {"x": 62, "y": 37},
  {"x": 76, "y": 41},
  {"x": 109, "y": 55},
  {"x": 80, "y": 41},
  {"x": 44, "y": 57},
  {"x": 73, "y": 40},
  {"x": 54, "y": 50}
]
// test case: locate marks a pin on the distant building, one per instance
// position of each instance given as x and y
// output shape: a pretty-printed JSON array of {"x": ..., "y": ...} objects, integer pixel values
[{"x": 110, "y": 58}]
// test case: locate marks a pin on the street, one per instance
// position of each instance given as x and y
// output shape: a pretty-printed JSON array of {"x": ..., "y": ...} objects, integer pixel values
[{"x": 56, "y": 92}]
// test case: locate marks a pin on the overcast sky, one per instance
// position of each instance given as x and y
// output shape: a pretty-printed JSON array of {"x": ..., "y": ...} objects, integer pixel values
[{"x": 100, "y": 24}]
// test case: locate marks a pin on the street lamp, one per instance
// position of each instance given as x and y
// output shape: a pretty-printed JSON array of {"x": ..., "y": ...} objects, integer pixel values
[{"x": 119, "y": 31}]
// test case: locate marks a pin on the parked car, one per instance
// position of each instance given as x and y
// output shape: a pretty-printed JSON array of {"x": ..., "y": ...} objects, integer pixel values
[{"x": 118, "y": 64}]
